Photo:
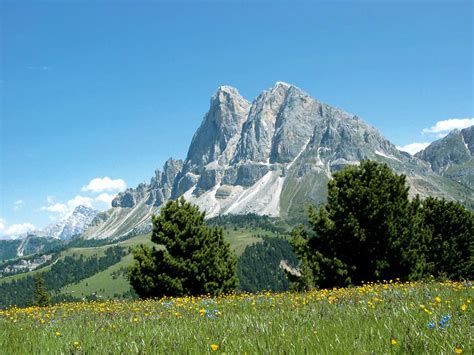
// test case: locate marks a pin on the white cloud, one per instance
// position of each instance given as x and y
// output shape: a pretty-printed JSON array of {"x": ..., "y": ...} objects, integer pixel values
[
  {"x": 50, "y": 199},
  {"x": 105, "y": 198},
  {"x": 79, "y": 200},
  {"x": 14, "y": 230},
  {"x": 413, "y": 148},
  {"x": 64, "y": 209},
  {"x": 105, "y": 184},
  {"x": 60, "y": 208},
  {"x": 441, "y": 128},
  {"x": 17, "y": 229},
  {"x": 17, "y": 205}
]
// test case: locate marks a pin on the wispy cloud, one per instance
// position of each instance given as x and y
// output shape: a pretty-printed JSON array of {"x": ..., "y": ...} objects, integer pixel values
[
  {"x": 413, "y": 148},
  {"x": 17, "y": 205},
  {"x": 441, "y": 128},
  {"x": 105, "y": 184}
]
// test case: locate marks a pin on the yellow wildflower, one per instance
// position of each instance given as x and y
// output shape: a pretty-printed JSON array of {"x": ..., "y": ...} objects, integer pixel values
[
  {"x": 458, "y": 350},
  {"x": 393, "y": 341},
  {"x": 438, "y": 299},
  {"x": 58, "y": 334},
  {"x": 76, "y": 344},
  {"x": 464, "y": 307},
  {"x": 214, "y": 347}
]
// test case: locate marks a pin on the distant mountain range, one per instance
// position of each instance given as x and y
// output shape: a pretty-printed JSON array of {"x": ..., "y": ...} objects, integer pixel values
[
  {"x": 72, "y": 225},
  {"x": 275, "y": 155}
]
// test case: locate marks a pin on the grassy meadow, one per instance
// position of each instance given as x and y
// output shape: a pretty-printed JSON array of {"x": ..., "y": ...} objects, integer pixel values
[{"x": 385, "y": 318}]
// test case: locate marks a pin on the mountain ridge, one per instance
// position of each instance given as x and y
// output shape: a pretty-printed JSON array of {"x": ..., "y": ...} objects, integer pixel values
[{"x": 271, "y": 156}]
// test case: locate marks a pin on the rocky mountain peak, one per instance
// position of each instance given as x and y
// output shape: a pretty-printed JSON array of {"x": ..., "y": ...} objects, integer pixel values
[
  {"x": 224, "y": 93},
  {"x": 454, "y": 148},
  {"x": 274, "y": 156},
  {"x": 221, "y": 123},
  {"x": 72, "y": 225},
  {"x": 83, "y": 210},
  {"x": 453, "y": 156}
]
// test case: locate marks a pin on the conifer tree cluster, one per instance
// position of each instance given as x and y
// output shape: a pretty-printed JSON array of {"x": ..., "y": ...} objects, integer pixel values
[
  {"x": 190, "y": 259},
  {"x": 369, "y": 230}
]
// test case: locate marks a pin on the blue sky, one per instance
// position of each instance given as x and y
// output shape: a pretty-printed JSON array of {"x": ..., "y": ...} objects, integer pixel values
[{"x": 101, "y": 89}]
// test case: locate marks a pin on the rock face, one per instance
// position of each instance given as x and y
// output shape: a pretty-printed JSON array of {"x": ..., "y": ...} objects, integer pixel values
[
  {"x": 24, "y": 265},
  {"x": 156, "y": 192},
  {"x": 452, "y": 156},
  {"x": 273, "y": 156},
  {"x": 214, "y": 143}
]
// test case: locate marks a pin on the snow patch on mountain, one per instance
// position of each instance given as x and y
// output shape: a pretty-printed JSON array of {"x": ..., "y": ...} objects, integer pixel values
[
  {"x": 386, "y": 156},
  {"x": 72, "y": 225}
]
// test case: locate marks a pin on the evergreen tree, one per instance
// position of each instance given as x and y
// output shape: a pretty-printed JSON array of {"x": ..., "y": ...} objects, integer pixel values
[
  {"x": 196, "y": 259},
  {"x": 42, "y": 297},
  {"x": 360, "y": 233},
  {"x": 450, "y": 252}
]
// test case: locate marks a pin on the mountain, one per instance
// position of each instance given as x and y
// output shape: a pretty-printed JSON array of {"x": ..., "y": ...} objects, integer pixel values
[
  {"x": 50, "y": 236},
  {"x": 273, "y": 156},
  {"x": 132, "y": 209},
  {"x": 74, "y": 224},
  {"x": 453, "y": 156}
]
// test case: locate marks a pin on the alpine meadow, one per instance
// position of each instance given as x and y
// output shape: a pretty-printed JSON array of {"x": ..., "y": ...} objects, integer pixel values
[{"x": 287, "y": 225}]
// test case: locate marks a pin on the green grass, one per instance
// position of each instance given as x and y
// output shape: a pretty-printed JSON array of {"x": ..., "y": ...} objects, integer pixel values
[
  {"x": 102, "y": 284},
  {"x": 239, "y": 239},
  {"x": 375, "y": 319}
]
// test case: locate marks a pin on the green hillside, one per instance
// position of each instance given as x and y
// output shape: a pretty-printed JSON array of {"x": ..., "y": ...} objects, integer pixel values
[{"x": 112, "y": 282}]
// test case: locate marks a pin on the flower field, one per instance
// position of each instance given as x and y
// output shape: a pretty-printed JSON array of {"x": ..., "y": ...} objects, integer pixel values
[{"x": 391, "y": 317}]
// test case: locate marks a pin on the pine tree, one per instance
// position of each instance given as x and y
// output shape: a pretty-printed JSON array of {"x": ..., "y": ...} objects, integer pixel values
[
  {"x": 450, "y": 252},
  {"x": 360, "y": 233},
  {"x": 42, "y": 297},
  {"x": 195, "y": 259}
]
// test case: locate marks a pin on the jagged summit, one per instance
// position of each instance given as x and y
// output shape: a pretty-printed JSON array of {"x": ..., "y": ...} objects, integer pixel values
[
  {"x": 154, "y": 193},
  {"x": 72, "y": 225},
  {"x": 225, "y": 89},
  {"x": 282, "y": 83},
  {"x": 271, "y": 156}
]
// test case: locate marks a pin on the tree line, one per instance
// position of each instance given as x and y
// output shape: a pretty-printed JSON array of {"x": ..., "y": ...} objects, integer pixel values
[
  {"x": 368, "y": 230},
  {"x": 258, "y": 268}
]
